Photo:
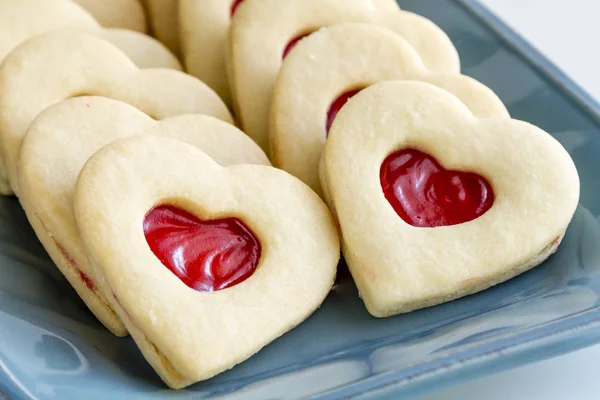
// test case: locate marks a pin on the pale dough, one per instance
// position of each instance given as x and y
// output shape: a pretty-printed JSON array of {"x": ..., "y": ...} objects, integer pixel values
[
  {"x": 400, "y": 268},
  {"x": 342, "y": 58},
  {"x": 203, "y": 27},
  {"x": 60, "y": 141},
  {"x": 143, "y": 50},
  {"x": 164, "y": 22},
  {"x": 24, "y": 19},
  {"x": 126, "y": 14},
  {"x": 56, "y": 66},
  {"x": 186, "y": 335},
  {"x": 259, "y": 33},
  {"x": 435, "y": 48}
]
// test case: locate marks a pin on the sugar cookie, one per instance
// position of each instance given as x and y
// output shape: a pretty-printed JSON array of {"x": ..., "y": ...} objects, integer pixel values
[
  {"x": 60, "y": 141},
  {"x": 434, "y": 203},
  {"x": 132, "y": 212},
  {"x": 342, "y": 59},
  {"x": 24, "y": 19},
  {"x": 52, "y": 67},
  {"x": 259, "y": 41}
]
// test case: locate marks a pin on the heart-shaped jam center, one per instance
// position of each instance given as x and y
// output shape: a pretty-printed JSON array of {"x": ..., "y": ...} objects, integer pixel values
[
  {"x": 426, "y": 195},
  {"x": 206, "y": 255},
  {"x": 336, "y": 106},
  {"x": 290, "y": 46},
  {"x": 235, "y": 5}
]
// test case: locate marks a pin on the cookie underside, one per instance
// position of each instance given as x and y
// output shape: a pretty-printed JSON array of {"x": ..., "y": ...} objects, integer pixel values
[{"x": 67, "y": 266}]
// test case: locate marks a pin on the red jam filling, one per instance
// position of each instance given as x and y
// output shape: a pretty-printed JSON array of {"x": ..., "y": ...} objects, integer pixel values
[
  {"x": 293, "y": 44},
  {"x": 426, "y": 195},
  {"x": 234, "y": 6},
  {"x": 336, "y": 106},
  {"x": 206, "y": 255},
  {"x": 86, "y": 279},
  {"x": 82, "y": 275}
]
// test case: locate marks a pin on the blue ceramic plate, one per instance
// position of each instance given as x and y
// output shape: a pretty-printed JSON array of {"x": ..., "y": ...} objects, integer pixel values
[{"x": 52, "y": 348}]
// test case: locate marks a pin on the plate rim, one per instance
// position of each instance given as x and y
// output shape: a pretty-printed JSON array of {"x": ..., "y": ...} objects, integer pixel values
[{"x": 544, "y": 341}]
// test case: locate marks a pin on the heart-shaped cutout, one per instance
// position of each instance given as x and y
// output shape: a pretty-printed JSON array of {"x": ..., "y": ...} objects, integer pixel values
[
  {"x": 425, "y": 194},
  {"x": 206, "y": 255}
]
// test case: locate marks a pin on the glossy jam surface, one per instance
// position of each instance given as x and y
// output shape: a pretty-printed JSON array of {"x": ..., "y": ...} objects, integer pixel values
[
  {"x": 206, "y": 255},
  {"x": 293, "y": 44},
  {"x": 336, "y": 106},
  {"x": 426, "y": 195},
  {"x": 235, "y": 5}
]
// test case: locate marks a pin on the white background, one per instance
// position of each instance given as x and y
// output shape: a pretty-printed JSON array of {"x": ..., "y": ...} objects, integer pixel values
[{"x": 567, "y": 32}]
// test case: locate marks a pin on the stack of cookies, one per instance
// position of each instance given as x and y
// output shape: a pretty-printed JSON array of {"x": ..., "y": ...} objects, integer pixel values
[{"x": 203, "y": 212}]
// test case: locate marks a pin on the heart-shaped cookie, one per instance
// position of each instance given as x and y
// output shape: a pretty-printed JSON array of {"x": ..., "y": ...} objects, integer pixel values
[
  {"x": 203, "y": 28},
  {"x": 434, "y": 203},
  {"x": 125, "y": 14},
  {"x": 327, "y": 68},
  {"x": 261, "y": 33},
  {"x": 61, "y": 140},
  {"x": 164, "y": 22},
  {"x": 52, "y": 67},
  {"x": 280, "y": 231},
  {"x": 24, "y": 19}
]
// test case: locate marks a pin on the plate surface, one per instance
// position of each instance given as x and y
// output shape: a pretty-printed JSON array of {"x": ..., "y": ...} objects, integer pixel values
[{"x": 52, "y": 348}]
